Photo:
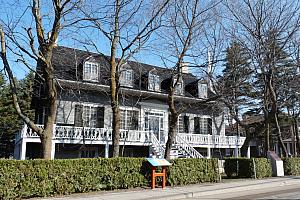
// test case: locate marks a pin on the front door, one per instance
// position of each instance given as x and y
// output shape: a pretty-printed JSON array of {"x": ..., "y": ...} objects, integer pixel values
[{"x": 154, "y": 126}]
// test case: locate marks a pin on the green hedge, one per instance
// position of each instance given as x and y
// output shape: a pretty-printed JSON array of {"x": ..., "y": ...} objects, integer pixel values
[
  {"x": 244, "y": 167},
  {"x": 192, "y": 171},
  {"x": 291, "y": 166},
  {"x": 40, "y": 178}
]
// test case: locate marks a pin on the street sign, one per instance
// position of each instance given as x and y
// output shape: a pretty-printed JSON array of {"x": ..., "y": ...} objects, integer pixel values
[{"x": 158, "y": 162}]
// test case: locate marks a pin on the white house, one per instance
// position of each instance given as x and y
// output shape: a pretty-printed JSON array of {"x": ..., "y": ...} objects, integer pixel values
[{"x": 83, "y": 122}]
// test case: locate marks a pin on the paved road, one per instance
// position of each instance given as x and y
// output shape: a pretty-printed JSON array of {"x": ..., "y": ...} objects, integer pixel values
[
  {"x": 271, "y": 188},
  {"x": 283, "y": 192}
]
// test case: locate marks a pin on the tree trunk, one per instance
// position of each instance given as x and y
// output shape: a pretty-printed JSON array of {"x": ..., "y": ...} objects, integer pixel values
[
  {"x": 114, "y": 82},
  {"x": 116, "y": 132},
  {"x": 171, "y": 135},
  {"x": 267, "y": 142},
  {"x": 244, "y": 148},
  {"x": 279, "y": 136},
  {"x": 46, "y": 141}
]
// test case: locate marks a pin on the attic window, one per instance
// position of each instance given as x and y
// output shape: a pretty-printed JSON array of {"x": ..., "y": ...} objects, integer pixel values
[
  {"x": 91, "y": 71},
  {"x": 202, "y": 90},
  {"x": 153, "y": 82},
  {"x": 126, "y": 77},
  {"x": 179, "y": 87}
]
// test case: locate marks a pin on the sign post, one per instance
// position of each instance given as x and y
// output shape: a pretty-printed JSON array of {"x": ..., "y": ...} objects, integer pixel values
[{"x": 158, "y": 162}]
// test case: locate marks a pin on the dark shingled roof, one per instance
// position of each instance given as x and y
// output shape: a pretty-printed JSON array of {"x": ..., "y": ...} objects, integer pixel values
[{"x": 68, "y": 63}]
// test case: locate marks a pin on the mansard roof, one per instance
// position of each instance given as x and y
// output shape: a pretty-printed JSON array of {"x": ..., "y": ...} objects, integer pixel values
[{"x": 68, "y": 63}]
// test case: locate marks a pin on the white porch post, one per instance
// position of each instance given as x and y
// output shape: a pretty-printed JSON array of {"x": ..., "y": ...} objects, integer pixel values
[
  {"x": 106, "y": 149},
  {"x": 53, "y": 150},
  {"x": 208, "y": 152},
  {"x": 248, "y": 152},
  {"x": 23, "y": 150},
  {"x": 236, "y": 151}
]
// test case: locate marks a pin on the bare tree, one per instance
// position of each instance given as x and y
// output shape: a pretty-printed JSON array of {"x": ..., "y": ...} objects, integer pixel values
[
  {"x": 127, "y": 27},
  {"x": 185, "y": 24},
  {"x": 36, "y": 43},
  {"x": 265, "y": 29}
]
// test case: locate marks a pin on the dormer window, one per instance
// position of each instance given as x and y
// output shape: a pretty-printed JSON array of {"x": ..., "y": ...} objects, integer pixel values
[
  {"x": 153, "y": 81},
  {"x": 126, "y": 76},
  {"x": 91, "y": 71},
  {"x": 179, "y": 87},
  {"x": 202, "y": 90}
]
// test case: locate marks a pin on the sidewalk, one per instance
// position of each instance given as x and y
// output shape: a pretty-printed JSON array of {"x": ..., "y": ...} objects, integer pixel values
[{"x": 233, "y": 186}]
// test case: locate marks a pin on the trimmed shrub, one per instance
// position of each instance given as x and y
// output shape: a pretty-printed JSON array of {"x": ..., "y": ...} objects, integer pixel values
[
  {"x": 41, "y": 178},
  {"x": 263, "y": 167},
  {"x": 291, "y": 166},
  {"x": 192, "y": 171},
  {"x": 244, "y": 167}
]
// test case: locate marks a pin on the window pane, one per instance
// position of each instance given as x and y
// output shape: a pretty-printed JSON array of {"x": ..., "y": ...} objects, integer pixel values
[
  {"x": 91, "y": 71},
  {"x": 132, "y": 120},
  {"x": 180, "y": 124},
  {"x": 86, "y": 116},
  {"x": 153, "y": 82},
  {"x": 93, "y": 117},
  {"x": 202, "y": 89},
  {"x": 126, "y": 77},
  {"x": 122, "y": 120}
]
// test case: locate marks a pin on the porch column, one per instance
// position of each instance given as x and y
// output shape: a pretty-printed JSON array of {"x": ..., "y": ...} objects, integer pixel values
[
  {"x": 236, "y": 151},
  {"x": 53, "y": 150},
  {"x": 23, "y": 150},
  {"x": 248, "y": 152},
  {"x": 106, "y": 149},
  {"x": 208, "y": 152}
]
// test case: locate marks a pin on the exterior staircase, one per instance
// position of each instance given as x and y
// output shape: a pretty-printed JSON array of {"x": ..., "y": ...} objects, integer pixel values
[{"x": 180, "y": 148}]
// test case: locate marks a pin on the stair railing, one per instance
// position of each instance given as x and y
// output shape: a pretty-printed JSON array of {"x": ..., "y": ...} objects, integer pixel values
[
  {"x": 191, "y": 151},
  {"x": 156, "y": 144}
]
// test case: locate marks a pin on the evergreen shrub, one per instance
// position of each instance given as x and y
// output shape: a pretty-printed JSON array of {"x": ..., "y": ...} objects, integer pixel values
[
  {"x": 291, "y": 166},
  {"x": 41, "y": 178},
  {"x": 246, "y": 168}
]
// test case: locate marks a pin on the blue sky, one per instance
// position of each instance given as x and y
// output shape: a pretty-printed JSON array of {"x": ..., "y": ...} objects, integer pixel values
[{"x": 18, "y": 14}]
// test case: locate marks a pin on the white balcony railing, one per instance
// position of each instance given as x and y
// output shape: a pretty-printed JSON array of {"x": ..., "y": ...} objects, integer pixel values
[
  {"x": 103, "y": 134},
  {"x": 199, "y": 139},
  {"x": 87, "y": 133}
]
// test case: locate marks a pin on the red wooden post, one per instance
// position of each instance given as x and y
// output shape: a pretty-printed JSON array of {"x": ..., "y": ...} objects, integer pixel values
[
  {"x": 158, "y": 174},
  {"x": 163, "y": 173},
  {"x": 164, "y": 177}
]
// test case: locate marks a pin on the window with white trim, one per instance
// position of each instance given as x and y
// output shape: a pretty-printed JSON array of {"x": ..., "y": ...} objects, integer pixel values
[
  {"x": 89, "y": 116},
  {"x": 153, "y": 82},
  {"x": 91, "y": 71},
  {"x": 183, "y": 124},
  {"x": 129, "y": 119},
  {"x": 126, "y": 77},
  {"x": 202, "y": 125},
  {"x": 202, "y": 90},
  {"x": 179, "y": 87}
]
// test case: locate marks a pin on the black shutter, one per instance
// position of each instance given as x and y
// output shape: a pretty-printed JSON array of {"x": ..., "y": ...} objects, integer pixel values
[
  {"x": 196, "y": 125},
  {"x": 100, "y": 117},
  {"x": 78, "y": 116},
  {"x": 186, "y": 123},
  {"x": 209, "y": 125}
]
